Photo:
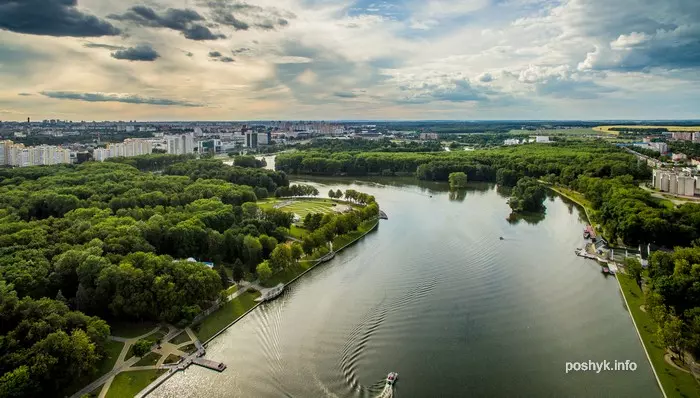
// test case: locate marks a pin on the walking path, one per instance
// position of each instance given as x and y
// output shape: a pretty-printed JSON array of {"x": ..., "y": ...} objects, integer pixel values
[{"x": 107, "y": 378}]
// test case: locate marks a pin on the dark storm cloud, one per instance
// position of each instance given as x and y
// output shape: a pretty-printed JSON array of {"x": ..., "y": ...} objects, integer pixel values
[
  {"x": 25, "y": 94},
  {"x": 243, "y": 16},
  {"x": 214, "y": 54},
  {"x": 226, "y": 59},
  {"x": 142, "y": 52},
  {"x": 104, "y": 46},
  {"x": 51, "y": 18},
  {"x": 240, "y": 50},
  {"x": 186, "y": 21},
  {"x": 123, "y": 98}
]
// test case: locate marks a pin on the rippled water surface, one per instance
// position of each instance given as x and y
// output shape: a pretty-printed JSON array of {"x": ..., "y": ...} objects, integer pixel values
[{"x": 435, "y": 295}]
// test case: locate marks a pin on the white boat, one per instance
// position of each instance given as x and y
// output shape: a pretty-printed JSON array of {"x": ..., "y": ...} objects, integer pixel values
[{"x": 391, "y": 378}]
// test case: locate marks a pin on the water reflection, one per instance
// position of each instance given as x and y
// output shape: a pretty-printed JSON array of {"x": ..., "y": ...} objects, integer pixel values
[{"x": 529, "y": 218}]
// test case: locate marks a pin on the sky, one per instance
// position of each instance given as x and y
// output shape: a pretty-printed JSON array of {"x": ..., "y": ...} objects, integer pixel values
[{"x": 344, "y": 60}]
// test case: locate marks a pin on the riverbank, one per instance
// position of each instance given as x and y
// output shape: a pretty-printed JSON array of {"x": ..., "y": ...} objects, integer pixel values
[
  {"x": 287, "y": 278},
  {"x": 219, "y": 321},
  {"x": 672, "y": 381}
]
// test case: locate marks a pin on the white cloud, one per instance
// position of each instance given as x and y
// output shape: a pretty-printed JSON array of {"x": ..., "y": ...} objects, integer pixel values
[{"x": 550, "y": 56}]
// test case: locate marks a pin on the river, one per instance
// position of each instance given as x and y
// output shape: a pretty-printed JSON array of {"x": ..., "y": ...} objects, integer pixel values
[{"x": 436, "y": 296}]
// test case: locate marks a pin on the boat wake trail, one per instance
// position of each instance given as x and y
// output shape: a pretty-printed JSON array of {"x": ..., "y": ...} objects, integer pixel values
[{"x": 354, "y": 350}]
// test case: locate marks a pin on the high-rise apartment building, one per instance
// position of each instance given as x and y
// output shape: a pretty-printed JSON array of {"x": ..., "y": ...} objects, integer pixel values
[{"x": 180, "y": 144}]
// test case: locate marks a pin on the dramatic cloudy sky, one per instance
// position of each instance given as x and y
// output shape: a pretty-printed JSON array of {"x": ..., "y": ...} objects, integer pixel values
[{"x": 349, "y": 59}]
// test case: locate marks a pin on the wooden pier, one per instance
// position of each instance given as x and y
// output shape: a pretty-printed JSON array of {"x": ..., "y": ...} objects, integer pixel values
[{"x": 209, "y": 364}]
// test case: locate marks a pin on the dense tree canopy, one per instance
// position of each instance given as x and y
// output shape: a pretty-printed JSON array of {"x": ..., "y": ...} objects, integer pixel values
[
  {"x": 673, "y": 297},
  {"x": 528, "y": 196},
  {"x": 107, "y": 240},
  {"x": 502, "y": 165}
]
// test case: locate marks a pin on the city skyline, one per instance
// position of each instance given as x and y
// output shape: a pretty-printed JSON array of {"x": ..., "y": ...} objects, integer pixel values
[{"x": 368, "y": 60}]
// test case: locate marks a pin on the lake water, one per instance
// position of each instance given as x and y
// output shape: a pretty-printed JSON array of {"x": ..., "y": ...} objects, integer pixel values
[{"x": 436, "y": 296}]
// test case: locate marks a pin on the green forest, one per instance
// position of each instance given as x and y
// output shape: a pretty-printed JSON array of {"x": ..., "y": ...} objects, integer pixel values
[
  {"x": 79, "y": 244},
  {"x": 607, "y": 176}
]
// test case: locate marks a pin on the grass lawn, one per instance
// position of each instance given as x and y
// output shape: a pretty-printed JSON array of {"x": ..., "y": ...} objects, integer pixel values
[
  {"x": 302, "y": 206},
  {"x": 676, "y": 383},
  {"x": 231, "y": 289},
  {"x": 112, "y": 350},
  {"x": 172, "y": 358},
  {"x": 153, "y": 337},
  {"x": 180, "y": 338},
  {"x": 128, "y": 384},
  {"x": 225, "y": 315},
  {"x": 286, "y": 275},
  {"x": 298, "y": 232},
  {"x": 149, "y": 359},
  {"x": 130, "y": 330},
  {"x": 189, "y": 348},
  {"x": 96, "y": 392}
]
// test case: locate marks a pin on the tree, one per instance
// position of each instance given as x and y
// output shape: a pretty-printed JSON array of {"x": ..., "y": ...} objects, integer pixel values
[
  {"x": 634, "y": 269},
  {"x": 331, "y": 194},
  {"x": 339, "y": 194},
  {"x": 308, "y": 244},
  {"x": 263, "y": 270},
  {"x": 250, "y": 210},
  {"x": 252, "y": 252},
  {"x": 297, "y": 251},
  {"x": 281, "y": 257},
  {"x": 238, "y": 271},
  {"x": 528, "y": 196},
  {"x": 142, "y": 347},
  {"x": 670, "y": 334},
  {"x": 221, "y": 270},
  {"x": 458, "y": 180}
]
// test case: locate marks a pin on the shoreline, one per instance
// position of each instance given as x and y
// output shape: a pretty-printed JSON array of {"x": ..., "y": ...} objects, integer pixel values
[
  {"x": 639, "y": 335},
  {"x": 317, "y": 263},
  {"x": 163, "y": 378}
]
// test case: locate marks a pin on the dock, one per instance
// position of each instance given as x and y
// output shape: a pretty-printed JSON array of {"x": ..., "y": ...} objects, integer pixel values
[{"x": 209, "y": 364}]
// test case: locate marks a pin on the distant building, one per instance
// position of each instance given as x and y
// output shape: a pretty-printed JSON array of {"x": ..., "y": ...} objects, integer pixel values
[
  {"x": 209, "y": 146},
  {"x": 18, "y": 155},
  {"x": 511, "y": 141},
  {"x": 677, "y": 157},
  {"x": 543, "y": 139},
  {"x": 264, "y": 138},
  {"x": 251, "y": 139},
  {"x": 180, "y": 144},
  {"x": 428, "y": 136},
  {"x": 660, "y": 147},
  {"x": 674, "y": 182},
  {"x": 682, "y": 135}
]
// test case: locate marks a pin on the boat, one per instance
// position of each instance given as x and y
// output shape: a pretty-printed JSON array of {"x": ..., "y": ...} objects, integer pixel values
[
  {"x": 606, "y": 270},
  {"x": 501, "y": 238},
  {"x": 391, "y": 378}
]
